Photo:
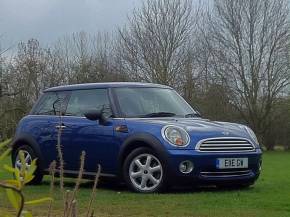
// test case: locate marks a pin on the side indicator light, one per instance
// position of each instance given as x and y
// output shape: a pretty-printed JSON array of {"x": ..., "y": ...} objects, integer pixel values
[{"x": 122, "y": 129}]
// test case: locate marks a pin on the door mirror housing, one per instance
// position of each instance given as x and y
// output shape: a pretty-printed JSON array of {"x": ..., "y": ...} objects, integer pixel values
[{"x": 95, "y": 115}]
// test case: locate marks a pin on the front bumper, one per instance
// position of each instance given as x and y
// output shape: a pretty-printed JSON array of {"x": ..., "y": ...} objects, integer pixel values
[{"x": 205, "y": 170}]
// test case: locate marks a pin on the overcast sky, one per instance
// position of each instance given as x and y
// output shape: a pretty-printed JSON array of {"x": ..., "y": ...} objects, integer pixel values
[{"x": 47, "y": 20}]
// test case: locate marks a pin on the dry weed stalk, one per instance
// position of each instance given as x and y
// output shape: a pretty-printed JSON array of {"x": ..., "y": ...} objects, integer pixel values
[
  {"x": 93, "y": 194},
  {"x": 52, "y": 168},
  {"x": 60, "y": 154},
  {"x": 74, "y": 209},
  {"x": 66, "y": 197},
  {"x": 72, "y": 199},
  {"x": 69, "y": 198}
]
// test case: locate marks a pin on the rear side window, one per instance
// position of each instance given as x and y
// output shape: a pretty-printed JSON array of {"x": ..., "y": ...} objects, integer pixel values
[
  {"x": 51, "y": 103},
  {"x": 82, "y": 101}
]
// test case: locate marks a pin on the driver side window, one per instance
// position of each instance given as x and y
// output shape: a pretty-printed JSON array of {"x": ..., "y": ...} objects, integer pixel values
[
  {"x": 82, "y": 101},
  {"x": 51, "y": 103}
]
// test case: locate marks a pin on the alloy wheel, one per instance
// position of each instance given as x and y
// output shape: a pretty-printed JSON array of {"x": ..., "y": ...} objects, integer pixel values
[
  {"x": 145, "y": 172},
  {"x": 27, "y": 159}
]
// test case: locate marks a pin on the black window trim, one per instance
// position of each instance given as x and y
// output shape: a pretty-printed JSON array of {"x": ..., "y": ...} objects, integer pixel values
[{"x": 114, "y": 105}]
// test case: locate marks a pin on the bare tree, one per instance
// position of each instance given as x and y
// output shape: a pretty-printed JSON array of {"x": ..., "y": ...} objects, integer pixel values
[
  {"x": 249, "y": 42},
  {"x": 104, "y": 58},
  {"x": 154, "y": 45},
  {"x": 29, "y": 69},
  {"x": 1, "y": 72},
  {"x": 61, "y": 51},
  {"x": 3, "y": 80},
  {"x": 85, "y": 58}
]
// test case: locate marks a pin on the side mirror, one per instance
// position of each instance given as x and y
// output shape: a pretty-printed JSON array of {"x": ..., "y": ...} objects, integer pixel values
[{"x": 95, "y": 115}]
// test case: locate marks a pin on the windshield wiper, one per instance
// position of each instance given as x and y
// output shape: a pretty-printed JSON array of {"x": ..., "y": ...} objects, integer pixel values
[
  {"x": 192, "y": 115},
  {"x": 158, "y": 114}
]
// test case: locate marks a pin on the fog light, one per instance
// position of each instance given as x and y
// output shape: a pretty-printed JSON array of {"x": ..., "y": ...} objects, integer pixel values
[
  {"x": 260, "y": 166},
  {"x": 186, "y": 166}
]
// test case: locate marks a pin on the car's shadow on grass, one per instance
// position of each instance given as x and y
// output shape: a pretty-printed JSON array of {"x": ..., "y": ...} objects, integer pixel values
[{"x": 115, "y": 185}]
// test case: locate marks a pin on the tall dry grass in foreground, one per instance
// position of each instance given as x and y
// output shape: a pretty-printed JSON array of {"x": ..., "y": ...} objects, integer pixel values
[
  {"x": 70, "y": 197},
  {"x": 14, "y": 187}
]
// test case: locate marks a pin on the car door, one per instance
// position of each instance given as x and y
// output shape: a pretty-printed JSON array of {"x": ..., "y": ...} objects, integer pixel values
[
  {"x": 81, "y": 134},
  {"x": 45, "y": 117}
]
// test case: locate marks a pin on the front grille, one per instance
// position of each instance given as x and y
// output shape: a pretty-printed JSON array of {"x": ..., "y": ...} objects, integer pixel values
[
  {"x": 225, "y": 145},
  {"x": 235, "y": 173}
]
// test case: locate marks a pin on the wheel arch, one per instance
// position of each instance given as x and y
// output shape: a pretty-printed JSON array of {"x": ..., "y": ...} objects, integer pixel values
[
  {"x": 28, "y": 140},
  {"x": 137, "y": 141}
]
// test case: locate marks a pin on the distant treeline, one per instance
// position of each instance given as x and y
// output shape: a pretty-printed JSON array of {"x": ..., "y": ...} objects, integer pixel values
[{"x": 229, "y": 59}]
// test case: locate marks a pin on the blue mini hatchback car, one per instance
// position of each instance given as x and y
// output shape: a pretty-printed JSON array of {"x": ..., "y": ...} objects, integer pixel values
[{"x": 145, "y": 134}]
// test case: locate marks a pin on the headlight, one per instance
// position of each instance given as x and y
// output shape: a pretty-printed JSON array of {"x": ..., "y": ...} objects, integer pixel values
[
  {"x": 252, "y": 134},
  {"x": 175, "y": 135}
]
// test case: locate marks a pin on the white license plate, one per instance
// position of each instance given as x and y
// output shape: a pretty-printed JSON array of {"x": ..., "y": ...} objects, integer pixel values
[{"x": 231, "y": 163}]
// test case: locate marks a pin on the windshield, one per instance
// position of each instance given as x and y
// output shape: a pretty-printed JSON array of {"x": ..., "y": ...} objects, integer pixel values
[{"x": 152, "y": 102}]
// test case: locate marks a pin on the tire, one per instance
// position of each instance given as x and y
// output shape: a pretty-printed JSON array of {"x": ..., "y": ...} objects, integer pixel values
[
  {"x": 38, "y": 174},
  {"x": 149, "y": 173}
]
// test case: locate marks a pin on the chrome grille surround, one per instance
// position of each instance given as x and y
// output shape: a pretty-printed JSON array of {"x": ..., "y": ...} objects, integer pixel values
[
  {"x": 225, "y": 144},
  {"x": 220, "y": 174}
]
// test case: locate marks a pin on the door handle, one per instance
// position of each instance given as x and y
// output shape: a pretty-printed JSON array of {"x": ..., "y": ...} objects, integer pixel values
[{"x": 60, "y": 127}]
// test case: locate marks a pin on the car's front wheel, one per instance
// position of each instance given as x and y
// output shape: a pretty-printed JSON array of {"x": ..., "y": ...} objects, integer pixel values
[{"x": 144, "y": 172}]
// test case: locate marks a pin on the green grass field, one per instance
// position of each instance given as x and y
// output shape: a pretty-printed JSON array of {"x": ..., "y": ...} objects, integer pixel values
[{"x": 269, "y": 197}]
